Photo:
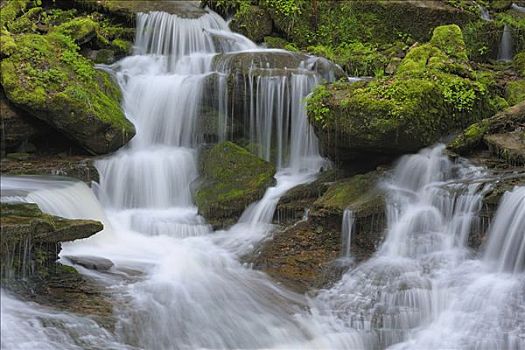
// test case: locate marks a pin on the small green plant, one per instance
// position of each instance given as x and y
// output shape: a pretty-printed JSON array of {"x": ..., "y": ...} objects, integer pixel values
[{"x": 316, "y": 105}]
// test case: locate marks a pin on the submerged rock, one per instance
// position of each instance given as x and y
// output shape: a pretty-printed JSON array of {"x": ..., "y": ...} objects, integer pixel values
[{"x": 232, "y": 178}]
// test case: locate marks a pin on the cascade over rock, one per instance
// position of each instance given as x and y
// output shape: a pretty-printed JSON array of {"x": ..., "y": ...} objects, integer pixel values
[{"x": 174, "y": 282}]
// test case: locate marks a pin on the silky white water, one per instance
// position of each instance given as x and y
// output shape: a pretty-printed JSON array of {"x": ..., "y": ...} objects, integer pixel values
[
  {"x": 505, "y": 51},
  {"x": 184, "y": 286}
]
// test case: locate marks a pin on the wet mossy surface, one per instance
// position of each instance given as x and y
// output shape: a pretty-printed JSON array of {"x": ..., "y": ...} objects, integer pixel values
[
  {"x": 44, "y": 74},
  {"x": 491, "y": 132},
  {"x": 232, "y": 178},
  {"x": 431, "y": 94}
]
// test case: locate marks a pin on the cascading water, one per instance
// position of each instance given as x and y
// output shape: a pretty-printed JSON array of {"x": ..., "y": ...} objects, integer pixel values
[
  {"x": 505, "y": 45},
  {"x": 423, "y": 289},
  {"x": 347, "y": 227},
  {"x": 184, "y": 287},
  {"x": 192, "y": 291},
  {"x": 506, "y": 245}
]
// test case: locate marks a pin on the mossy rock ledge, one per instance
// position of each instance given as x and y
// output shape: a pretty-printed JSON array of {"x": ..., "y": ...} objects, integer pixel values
[
  {"x": 503, "y": 134},
  {"x": 31, "y": 239},
  {"x": 232, "y": 178},
  {"x": 433, "y": 92},
  {"x": 47, "y": 77}
]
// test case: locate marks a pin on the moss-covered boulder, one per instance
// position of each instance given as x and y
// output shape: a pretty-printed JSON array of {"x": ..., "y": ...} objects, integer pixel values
[
  {"x": 471, "y": 139},
  {"x": 232, "y": 178},
  {"x": 253, "y": 22},
  {"x": 48, "y": 78},
  {"x": 433, "y": 92}
]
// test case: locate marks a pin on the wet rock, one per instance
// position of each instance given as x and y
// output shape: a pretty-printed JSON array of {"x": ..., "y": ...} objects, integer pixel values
[
  {"x": 473, "y": 138},
  {"x": 50, "y": 80},
  {"x": 362, "y": 195},
  {"x": 295, "y": 204},
  {"x": 387, "y": 117},
  {"x": 91, "y": 262},
  {"x": 297, "y": 255},
  {"x": 304, "y": 254},
  {"x": 232, "y": 178},
  {"x": 78, "y": 167},
  {"x": 29, "y": 253},
  {"x": 17, "y": 127},
  {"x": 509, "y": 146},
  {"x": 26, "y": 220}
]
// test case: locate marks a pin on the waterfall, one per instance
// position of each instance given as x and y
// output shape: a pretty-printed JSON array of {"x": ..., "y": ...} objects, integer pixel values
[
  {"x": 178, "y": 285},
  {"x": 505, "y": 46},
  {"x": 423, "y": 289},
  {"x": 506, "y": 244},
  {"x": 347, "y": 227}
]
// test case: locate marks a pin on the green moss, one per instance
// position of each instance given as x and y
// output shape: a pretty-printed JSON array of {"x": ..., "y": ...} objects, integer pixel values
[
  {"x": 500, "y": 5},
  {"x": 48, "y": 77},
  {"x": 519, "y": 63},
  {"x": 515, "y": 92},
  {"x": 275, "y": 42},
  {"x": 122, "y": 46},
  {"x": 482, "y": 40},
  {"x": 253, "y": 22},
  {"x": 449, "y": 39},
  {"x": 431, "y": 94},
  {"x": 356, "y": 58},
  {"x": 358, "y": 193},
  {"x": 81, "y": 29},
  {"x": 26, "y": 22},
  {"x": 10, "y": 10},
  {"x": 7, "y": 44},
  {"x": 233, "y": 178}
]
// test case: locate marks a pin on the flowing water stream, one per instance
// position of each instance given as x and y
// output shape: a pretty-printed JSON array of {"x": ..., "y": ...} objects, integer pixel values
[{"x": 181, "y": 286}]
